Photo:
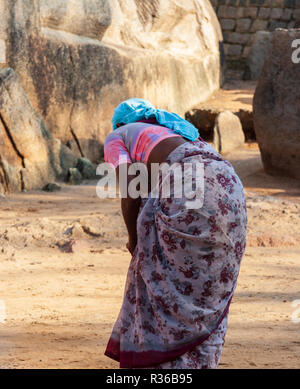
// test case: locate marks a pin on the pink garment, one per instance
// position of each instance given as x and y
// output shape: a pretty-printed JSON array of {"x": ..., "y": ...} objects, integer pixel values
[{"x": 134, "y": 142}]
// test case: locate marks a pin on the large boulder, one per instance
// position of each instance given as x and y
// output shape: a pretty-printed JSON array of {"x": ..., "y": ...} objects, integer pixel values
[
  {"x": 29, "y": 155},
  {"x": 259, "y": 50},
  {"x": 78, "y": 59},
  {"x": 277, "y": 107}
]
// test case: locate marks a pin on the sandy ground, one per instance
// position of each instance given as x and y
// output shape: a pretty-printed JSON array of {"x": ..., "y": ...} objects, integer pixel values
[
  {"x": 233, "y": 96},
  {"x": 63, "y": 265}
]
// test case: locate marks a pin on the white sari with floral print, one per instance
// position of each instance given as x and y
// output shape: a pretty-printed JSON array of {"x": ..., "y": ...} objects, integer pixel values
[{"x": 184, "y": 270}]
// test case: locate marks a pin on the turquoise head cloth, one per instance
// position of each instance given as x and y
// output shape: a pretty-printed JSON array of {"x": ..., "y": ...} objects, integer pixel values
[{"x": 133, "y": 110}]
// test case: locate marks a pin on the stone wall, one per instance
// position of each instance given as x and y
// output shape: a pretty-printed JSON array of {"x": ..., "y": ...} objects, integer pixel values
[{"x": 241, "y": 19}]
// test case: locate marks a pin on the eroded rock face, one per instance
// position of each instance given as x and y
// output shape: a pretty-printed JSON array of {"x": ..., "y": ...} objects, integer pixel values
[
  {"x": 89, "y": 18},
  {"x": 78, "y": 59},
  {"x": 277, "y": 107},
  {"x": 29, "y": 155}
]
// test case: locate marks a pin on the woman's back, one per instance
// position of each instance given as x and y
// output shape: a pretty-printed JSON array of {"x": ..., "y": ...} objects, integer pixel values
[{"x": 134, "y": 142}]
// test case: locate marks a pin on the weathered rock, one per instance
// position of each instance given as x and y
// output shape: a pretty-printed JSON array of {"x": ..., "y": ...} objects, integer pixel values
[
  {"x": 228, "y": 132},
  {"x": 29, "y": 155},
  {"x": 277, "y": 107},
  {"x": 51, "y": 187},
  {"x": 89, "y": 18},
  {"x": 77, "y": 231},
  {"x": 78, "y": 59},
  {"x": 86, "y": 168},
  {"x": 67, "y": 158},
  {"x": 258, "y": 53},
  {"x": 74, "y": 177},
  {"x": 23, "y": 137}
]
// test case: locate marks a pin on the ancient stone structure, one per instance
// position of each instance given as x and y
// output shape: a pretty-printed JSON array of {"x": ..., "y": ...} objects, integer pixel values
[
  {"x": 276, "y": 106},
  {"x": 77, "y": 60},
  {"x": 241, "y": 19}
]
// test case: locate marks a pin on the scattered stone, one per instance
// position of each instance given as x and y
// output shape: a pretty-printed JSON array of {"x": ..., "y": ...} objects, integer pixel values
[
  {"x": 76, "y": 231},
  {"x": 86, "y": 168},
  {"x": 92, "y": 226},
  {"x": 51, "y": 187},
  {"x": 276, "y": 107},
  {"x": 74, "y": 176},
  {"x": 68, "y": 231},
  {"x": 8, "y": 251},
  {"x": 228, "y": 132},
  {"x": 74, "y": 246}
]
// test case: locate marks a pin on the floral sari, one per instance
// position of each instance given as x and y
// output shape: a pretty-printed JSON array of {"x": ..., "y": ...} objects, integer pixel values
[{"x": 184, "y": 270}]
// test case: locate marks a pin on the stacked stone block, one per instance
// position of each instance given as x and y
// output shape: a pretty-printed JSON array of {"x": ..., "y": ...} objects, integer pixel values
[{"x": 241, "y": 19}]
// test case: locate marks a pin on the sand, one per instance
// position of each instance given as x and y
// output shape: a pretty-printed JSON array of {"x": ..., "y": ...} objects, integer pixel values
[{"x": 63, "y": 265}]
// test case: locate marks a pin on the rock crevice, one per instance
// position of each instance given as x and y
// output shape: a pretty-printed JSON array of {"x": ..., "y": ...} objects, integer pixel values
[{"x": 30, "y": 156}]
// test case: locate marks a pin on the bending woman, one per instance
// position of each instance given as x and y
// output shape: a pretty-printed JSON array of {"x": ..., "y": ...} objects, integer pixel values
[{"x": 185, "y": 262}]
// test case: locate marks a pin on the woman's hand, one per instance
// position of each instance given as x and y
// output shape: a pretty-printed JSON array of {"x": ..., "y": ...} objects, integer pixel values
[{"x": 131, "y": 245}]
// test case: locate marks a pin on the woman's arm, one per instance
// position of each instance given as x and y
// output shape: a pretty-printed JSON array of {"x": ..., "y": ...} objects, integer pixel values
[
  {"x": 130, "y": 210},
  {"x": 116, "y": 153}
]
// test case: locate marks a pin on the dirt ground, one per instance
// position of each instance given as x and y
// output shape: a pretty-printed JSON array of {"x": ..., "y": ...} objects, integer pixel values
[
  {"x": 63, "y": 265},
  {"x": 233, "y": 96}
]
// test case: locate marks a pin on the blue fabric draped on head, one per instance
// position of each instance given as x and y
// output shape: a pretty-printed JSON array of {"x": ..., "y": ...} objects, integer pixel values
[{"x": 134, "y": 109}]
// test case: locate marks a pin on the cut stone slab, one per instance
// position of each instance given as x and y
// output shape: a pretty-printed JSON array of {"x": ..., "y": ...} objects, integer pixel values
[{"x": 228, "y": 132}]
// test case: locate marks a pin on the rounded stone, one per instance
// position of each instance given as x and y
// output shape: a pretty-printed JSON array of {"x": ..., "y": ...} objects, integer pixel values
[{"x": 276, "y": 107}]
